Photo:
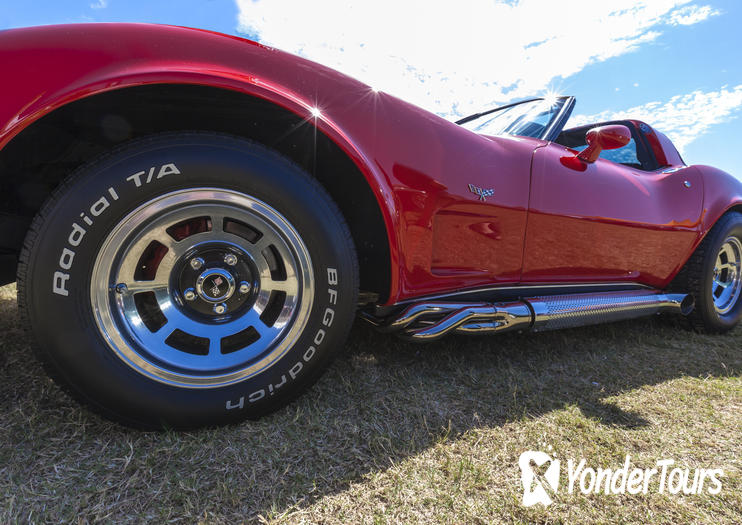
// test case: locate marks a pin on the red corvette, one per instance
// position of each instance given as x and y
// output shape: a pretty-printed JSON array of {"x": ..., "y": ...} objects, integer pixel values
[{"x": 193, "y": 219}]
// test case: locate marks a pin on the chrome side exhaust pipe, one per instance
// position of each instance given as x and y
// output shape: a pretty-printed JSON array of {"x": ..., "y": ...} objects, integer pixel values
[
  {"x": 570, "y": 311},
  {"x": 431, "y": 321}
]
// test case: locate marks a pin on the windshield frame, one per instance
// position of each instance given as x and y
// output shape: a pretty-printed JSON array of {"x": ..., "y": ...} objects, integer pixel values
[{"x": 552, "y": 128}]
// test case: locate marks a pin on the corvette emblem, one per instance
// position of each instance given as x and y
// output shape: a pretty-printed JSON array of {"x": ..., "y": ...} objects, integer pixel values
[
  {"x": 483, "y": 194},
  {"x": 215, "y": 291}
]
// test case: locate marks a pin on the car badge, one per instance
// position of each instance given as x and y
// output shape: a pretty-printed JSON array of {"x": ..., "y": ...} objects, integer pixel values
[
  {"x": 215, "y": 290},
  {"x": 483, "y": 194}
]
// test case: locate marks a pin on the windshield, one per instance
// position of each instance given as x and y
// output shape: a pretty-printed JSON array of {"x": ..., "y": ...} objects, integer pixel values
[{"x": 536, "y": 118}]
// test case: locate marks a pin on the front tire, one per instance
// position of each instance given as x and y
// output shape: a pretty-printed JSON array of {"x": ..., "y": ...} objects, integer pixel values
[{"x": 186, "y": 280}]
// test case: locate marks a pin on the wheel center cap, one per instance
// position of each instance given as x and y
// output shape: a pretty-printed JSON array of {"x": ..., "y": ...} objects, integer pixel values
[{"x": 215, "y": 285}]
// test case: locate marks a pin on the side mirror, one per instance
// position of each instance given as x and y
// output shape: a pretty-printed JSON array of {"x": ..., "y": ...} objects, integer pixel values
[{"x": 604, "y": 137}]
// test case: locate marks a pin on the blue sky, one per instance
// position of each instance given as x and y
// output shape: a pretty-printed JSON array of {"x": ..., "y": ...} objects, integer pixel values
[{"x": 673, "y": 63}]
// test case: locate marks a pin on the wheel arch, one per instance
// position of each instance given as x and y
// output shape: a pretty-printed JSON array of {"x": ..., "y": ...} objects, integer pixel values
[
  {"x": 40, "y": 151},
  {"x": 736, "y": 208},
  {"x": 722, "y": 193}
]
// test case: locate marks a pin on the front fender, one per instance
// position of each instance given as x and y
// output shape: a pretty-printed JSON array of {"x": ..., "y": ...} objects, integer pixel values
[
  {"x": 55, "y": 65},
  {"x": 418, "y": 166}
]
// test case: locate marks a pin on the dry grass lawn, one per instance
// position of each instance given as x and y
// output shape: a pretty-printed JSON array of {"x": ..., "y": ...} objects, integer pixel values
[{"x": 396, "y": 433}]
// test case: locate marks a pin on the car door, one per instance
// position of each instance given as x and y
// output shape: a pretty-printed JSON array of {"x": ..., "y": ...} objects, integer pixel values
[
  {"x": 611, "y": 222},
  {"x": 466, "y": 226}
]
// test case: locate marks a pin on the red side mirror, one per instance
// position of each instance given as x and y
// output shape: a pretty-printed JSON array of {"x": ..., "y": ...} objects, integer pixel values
[{"x": 604, "y": 137}]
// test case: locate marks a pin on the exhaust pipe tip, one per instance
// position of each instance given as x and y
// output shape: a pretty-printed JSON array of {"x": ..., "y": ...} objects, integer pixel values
[{"x": 687, "y": 305}]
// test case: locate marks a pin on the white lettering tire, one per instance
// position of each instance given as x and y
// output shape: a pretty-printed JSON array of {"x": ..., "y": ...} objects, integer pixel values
[{"x": 188, "y": 279}]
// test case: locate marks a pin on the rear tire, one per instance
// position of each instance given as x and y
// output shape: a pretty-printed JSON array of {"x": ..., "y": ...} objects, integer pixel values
[
  {"x": 188, "y": 279},
  {"x": 714, "y": 277}
]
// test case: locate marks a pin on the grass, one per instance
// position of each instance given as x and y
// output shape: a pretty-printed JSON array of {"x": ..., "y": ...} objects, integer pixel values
[{"x": 397, "y": 433}]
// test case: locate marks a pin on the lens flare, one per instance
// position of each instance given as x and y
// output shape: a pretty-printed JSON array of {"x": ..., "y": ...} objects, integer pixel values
[{"x": 551, "y": 98}]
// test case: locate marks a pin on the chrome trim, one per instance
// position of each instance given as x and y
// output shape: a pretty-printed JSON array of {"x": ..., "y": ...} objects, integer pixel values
[
  {"x": 549, "y": 134},
  {"x": 430, "y": 321},
  {"x": 479, "y": 319},
  {"x": 558, "y": 122},
  {"x": 727, "y": 277},
  {"x": 228, "y": 278},
  {"x": 148, "y": 353},
  {"x": 419, "y": 311},
  {"x": 572, "y": 311}
]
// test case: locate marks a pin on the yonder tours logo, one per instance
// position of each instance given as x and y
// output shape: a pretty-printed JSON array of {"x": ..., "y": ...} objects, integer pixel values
[{"x": 540, "y": 476}]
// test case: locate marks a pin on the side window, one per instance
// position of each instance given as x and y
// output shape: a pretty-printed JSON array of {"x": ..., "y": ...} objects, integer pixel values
[{"x": 626, "y": 155}]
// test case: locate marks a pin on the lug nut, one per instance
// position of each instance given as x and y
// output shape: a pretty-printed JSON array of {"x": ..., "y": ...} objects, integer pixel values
[
  {"x": 219, "y": 309},
  {"x": 197, "y": 263},
  {"x": 230, "y": 259},
  {"x": 244, "y": 287},
  {"x": 120, "y": 288},
  {"x": 189, "y": 294}
]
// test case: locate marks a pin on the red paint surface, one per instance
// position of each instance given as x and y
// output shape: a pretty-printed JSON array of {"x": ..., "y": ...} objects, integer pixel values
[
  {"x": 721, "y": 192},
  {"x": 608, "y": 223}
]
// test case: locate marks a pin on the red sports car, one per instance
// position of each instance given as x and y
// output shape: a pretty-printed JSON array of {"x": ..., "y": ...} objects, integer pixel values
[{"x": 193, "y": 219}]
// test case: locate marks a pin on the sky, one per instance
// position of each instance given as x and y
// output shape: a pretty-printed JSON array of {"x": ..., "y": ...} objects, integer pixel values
[{"x": 672, "y": 63}]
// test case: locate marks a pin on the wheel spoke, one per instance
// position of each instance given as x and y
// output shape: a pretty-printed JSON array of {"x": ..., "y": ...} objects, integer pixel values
[
  {"x": 730, "y": 266},
  {"x": 165, "y": 330},
  {"x": 153, "y": 341},
  {"x": 263, "y": 329},
  {"x": 217, "y": 222},
  {"x": 135, "y": 287},
  {"x": 724, "y": 254},
  {"x": 263, "y": 243},
  {"x": 215, "y": 346},
  {"x": 182, "y": 322},
  {"x": 130, "y": 263},
  {"x": 289, "y": 286}
]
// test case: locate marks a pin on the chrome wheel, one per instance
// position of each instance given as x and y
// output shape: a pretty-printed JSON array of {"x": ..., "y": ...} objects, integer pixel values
[
  {"x": 202, "y": 287},
  {"x": 727, "y": 279}
]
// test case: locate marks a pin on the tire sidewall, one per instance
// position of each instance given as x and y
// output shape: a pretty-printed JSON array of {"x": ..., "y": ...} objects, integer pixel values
[
  {"x": 105, "y": 192},
  {"x": 731, "y": 227}
]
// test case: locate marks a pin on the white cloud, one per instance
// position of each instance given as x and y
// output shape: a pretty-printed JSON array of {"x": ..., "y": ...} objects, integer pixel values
[
  {"x": 691, "y": 14},
  {"x": 683, "y": 118},
  {"x": 457, "y": 57},
  {"x": 99, "y": 4}
]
